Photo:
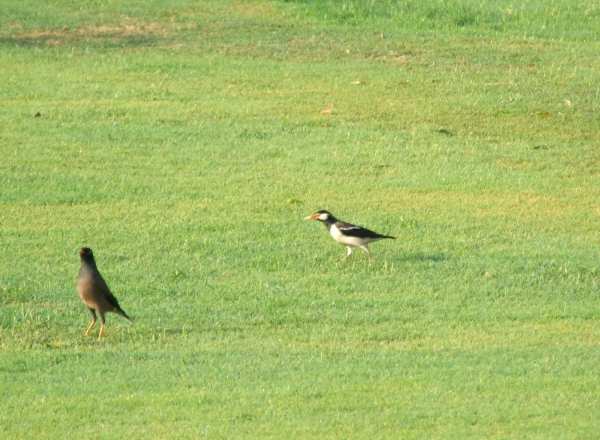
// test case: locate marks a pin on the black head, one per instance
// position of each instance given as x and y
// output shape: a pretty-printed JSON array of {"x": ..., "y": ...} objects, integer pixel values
[
  {"x": 86, "y": 254},
  {"x": 322, "y": 216}
]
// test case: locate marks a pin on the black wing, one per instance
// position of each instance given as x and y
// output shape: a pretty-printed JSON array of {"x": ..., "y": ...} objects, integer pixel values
[{"x": 358, "y": 231}]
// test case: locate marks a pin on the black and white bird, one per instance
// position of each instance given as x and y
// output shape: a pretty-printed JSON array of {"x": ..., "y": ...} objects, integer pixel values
[{"x": 347, "y": 234}]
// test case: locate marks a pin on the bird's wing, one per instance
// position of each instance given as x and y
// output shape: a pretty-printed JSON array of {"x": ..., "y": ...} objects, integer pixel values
[
  {"x": 357, "y": 231},
  {"x": 105, "y": 291}
]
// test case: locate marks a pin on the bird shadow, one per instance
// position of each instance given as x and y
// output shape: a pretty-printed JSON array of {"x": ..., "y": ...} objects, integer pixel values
[{"x": 422, "y": 257}]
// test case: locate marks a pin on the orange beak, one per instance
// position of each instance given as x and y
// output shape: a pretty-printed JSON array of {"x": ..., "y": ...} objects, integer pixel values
[{"x": 312, "y": 217}]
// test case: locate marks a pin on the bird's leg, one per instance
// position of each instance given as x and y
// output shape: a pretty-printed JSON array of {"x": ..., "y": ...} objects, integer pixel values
[
  {"x": 349, "y": 252},
  {"x": 93, "y": 312},
  {"x": 366, "y": 248},
  {"x": 101, "y": 328},
  {"x": 90, "y": 327}
]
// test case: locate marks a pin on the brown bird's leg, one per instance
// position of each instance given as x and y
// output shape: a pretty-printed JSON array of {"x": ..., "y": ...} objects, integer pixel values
[
  {"x": 101, "y": 328},
  {"x": 93, "y": 312}
]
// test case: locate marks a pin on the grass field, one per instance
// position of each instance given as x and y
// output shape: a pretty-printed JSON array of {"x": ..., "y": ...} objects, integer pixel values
[{"x": 184, "y": 142}]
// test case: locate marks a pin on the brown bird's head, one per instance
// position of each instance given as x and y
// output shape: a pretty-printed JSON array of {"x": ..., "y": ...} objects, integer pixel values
[{"x": 86, "y": 254}]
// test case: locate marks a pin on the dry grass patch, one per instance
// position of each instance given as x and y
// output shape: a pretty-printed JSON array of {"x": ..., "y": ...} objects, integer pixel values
[{"x": 126, "y": 29}]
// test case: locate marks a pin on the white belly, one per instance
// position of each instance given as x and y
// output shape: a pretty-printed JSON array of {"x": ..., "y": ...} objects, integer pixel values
[{"x": 345, "y": 240}]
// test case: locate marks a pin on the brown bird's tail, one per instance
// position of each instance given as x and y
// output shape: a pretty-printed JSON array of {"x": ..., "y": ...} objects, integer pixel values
[{"x": 120, "y": 312}]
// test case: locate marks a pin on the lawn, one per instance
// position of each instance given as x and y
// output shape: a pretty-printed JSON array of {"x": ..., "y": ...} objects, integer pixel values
[{"x": 184, "y": 142}]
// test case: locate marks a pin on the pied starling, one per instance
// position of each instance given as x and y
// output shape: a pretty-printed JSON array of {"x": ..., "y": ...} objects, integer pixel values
[{"x": 347, "y": 234}]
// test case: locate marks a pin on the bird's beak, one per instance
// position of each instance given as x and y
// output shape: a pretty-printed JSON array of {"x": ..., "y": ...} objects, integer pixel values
[
  {"x": 80, "y": 251},
  {"x": 312, "y": 217}
]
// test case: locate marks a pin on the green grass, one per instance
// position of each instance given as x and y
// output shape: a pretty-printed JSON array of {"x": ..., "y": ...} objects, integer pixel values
[{"x": 185, "y": 142}]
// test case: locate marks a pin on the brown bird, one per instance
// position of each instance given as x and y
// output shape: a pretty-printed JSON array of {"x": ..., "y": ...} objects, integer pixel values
[{"x": 94, "y": 292}]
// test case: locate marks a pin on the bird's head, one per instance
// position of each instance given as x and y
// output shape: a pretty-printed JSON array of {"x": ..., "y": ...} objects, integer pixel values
[
  {"x": 86, "y": 253},
  {"x": 322, "y": 216}
]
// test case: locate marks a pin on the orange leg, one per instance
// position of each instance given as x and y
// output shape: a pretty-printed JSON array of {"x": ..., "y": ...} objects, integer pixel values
[
  {"x": 101, "y": 331},
  {"x": 93, "y": 312},
  {"x": 90, "y": 327}
]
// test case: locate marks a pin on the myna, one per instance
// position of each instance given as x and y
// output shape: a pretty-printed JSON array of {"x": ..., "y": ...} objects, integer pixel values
[
  {"x": 94, "y": 292},
  {"x": 347, "y": 234}
]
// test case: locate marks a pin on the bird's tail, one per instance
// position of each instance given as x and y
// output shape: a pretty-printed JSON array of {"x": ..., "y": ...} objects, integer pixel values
[
  {"x": 124, "y": 315},
  {"x": 389, "y": 236}
]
